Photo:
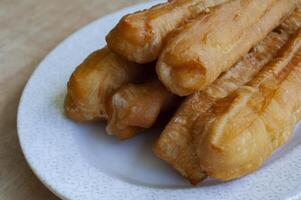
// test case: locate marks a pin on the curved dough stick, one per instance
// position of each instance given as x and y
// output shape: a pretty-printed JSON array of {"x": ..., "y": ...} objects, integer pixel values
[
  {"x": 139, "y": 37},
  {"x": 134, "y": 107},
  {"x": 94, "y": 81},
  {"x": 241, "y": 131},
  {"x": 214, "y": 42}
]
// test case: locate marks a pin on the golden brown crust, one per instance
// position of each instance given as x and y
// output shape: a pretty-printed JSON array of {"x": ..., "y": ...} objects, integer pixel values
[
  {"x": 175, "y": 144},
  {"x": 94, "y": 81},
  {"x": 241, "y": 131},
  {"x": 139, "y": 36},
  {"x": 214, "y": 42},
  {"x": 137, "y": 106}
]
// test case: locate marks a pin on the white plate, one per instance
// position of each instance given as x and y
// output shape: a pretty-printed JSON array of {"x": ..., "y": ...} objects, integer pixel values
[{"x": 80, "y": 162}]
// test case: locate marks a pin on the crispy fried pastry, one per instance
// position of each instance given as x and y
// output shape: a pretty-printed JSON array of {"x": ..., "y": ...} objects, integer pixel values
[
  {"x": 242, "y": 130},
  {"x": 139, "y": 36},
  {"x": 137, "y": 106},
  {"x": 175, "y": 144},
  {"x": 93, "y": 83},
  {"x": 211, "y": 44}
]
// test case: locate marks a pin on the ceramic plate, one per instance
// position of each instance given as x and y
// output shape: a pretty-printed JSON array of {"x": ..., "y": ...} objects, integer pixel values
[{"x": 78, "y": 161}]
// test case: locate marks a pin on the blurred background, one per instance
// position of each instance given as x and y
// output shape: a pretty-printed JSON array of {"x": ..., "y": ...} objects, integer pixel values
[{"x": 29, "y": 29}]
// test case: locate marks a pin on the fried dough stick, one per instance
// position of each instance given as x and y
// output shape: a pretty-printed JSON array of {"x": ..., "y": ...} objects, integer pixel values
[
  {"x": 94, "y": 81},
  {"x": 241, "y": 131},
  {"x": 175, "y": 144},
  {"x": 137, "y": 106},
  {"x": 139, "y": 36},
  {"x": 214, "y": 42}
]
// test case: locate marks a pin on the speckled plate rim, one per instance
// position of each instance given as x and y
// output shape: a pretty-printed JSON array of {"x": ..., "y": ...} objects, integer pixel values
[{"x": 58, "y": 164}]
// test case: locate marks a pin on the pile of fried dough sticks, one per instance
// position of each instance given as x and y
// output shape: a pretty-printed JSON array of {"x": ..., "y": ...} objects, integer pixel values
[{"x": 235, "y": 65}]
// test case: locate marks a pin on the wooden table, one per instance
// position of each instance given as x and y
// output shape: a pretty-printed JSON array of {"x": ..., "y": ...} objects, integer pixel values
[{"x": 29, "y": 29}]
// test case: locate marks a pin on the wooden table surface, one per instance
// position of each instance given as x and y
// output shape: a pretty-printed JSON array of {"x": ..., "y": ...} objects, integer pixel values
[{"x": 29, "y": 29}]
